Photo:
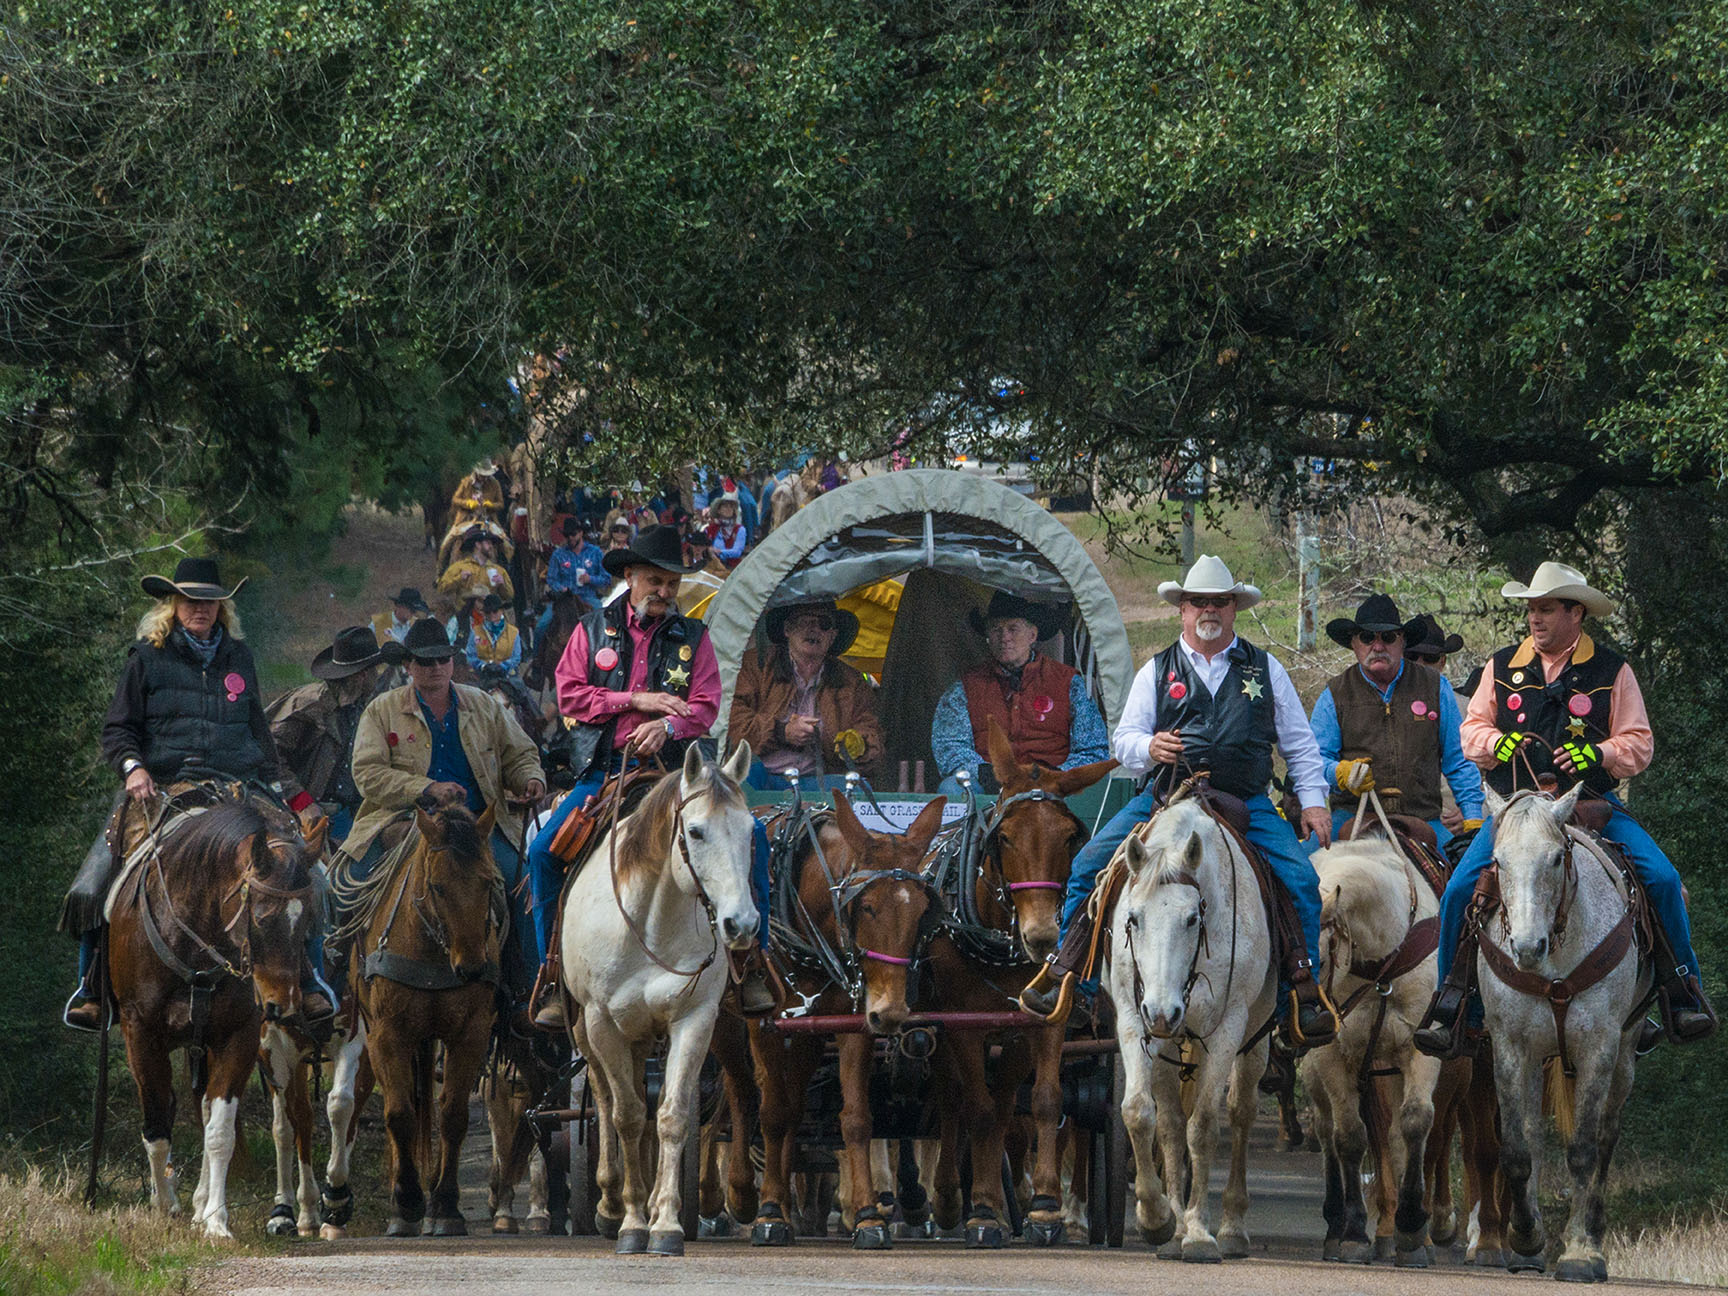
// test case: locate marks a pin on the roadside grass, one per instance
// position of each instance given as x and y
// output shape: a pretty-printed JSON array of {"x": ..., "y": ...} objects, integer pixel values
[{"x": 1681, "y": 1250}]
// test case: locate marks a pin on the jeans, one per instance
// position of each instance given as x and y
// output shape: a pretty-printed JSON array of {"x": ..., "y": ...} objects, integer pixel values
[
  {"x": 1267, "y": 829},
  {"x": 1655, "y": 870},
  {"x": 546, "y": 870},
  {"x": 1341, "y": 817}
]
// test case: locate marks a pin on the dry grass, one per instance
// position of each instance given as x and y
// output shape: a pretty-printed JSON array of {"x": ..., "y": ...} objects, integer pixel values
[
  {"x": 1693, "y": 1251},
  {"x": 50, "y": 1244}
]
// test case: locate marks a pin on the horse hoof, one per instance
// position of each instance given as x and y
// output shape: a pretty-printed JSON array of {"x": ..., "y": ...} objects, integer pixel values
[
  {"x": 1385, "y": 1248},
  {"x": 606, "y": 1226},
  {"x": 1331, "y": 1248},
  {"x": 632, "y": 1241},
  {"x": 873, "y": 1236},
  {"x": 1161, "y": 1234},
  {"x": 1492, "y": 1258},
  {"x": 332, "y": 1232},
  {"x": 771, "y": 1232},
  {"x": 987, "y": 1235},
  {"x": 1171, "y": 1250},
  {"x": 1599, "y": 1267},
  {"x": 281, "y": 1223},
  {"x": 1233, "y": 1246},
  {"x": 1044, "y": 1232},
  {"x": 506, "y": 1225},
  {"x": 669, "y": 1243},
  {"x": 716, "y": 1226},
  {"x": 1417, "y": 1258},
  {"x": 1575, "y": 1269},
  {"x": 455, "y": 1226},
  {"x": 1351, "y": 1252},
  {"x": 1201, "y": 1251},
  {"x": 337, "y": 1205},
  {"x": 537, "y": 1225},
  {"x": 1519, "y": 1262},
  {"x": 1443, "y": 1231},
  {"x": 402, "y": 1228}
]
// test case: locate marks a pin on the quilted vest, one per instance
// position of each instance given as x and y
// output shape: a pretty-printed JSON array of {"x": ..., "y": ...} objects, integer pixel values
[
  {"x": 490, "y": 650},
  {"x": 1036, "y": 717},
  {"x": 197, "y": 713},
  {"x": 1402, "y": 736}
]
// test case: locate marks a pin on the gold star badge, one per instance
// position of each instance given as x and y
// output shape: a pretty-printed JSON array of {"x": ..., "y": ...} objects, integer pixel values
[
  {"x": 1576, "y": 727},
  {"x": 1252, "y": 689},
  {"x": 678, "y": 676}
]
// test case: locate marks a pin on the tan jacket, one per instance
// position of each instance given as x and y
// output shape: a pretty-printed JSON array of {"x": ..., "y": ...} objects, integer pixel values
[
  {"x": 467, "y": 578},
  {"x": 310, "y": 738},
  {"x": 393, "y": 751},
  {"x": 843, "y": 701}
]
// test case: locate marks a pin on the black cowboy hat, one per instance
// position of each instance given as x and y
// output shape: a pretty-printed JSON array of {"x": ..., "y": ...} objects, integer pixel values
[
  {"x": 409, "y": 597},
  {"x": 1378, "y": 612},
  {"x": 1047, "y": 617},
  {"x": 491, "y": 603},
  {"x": 195, "y": 578},
  {"x": 427, "y": 642},
  {"x": 845, "y": 623},
  {"x": 1424, "y": 634},
  {"x": 355, "y": 648},
  {"x": 655, "y": 546}
]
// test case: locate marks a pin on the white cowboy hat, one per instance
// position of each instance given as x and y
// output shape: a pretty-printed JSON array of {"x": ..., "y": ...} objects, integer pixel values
[
  {"x": 1209, "y": 576},
  {"x": 1557, "y": 580}
]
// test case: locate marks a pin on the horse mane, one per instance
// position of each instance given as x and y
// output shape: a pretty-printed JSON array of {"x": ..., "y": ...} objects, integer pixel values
[
  {"x": 645, "y": 837},
  {"x": 1186, "y": 807},
  {"x": 461, "y": 830},
  {"x": 204, "y": 851}
]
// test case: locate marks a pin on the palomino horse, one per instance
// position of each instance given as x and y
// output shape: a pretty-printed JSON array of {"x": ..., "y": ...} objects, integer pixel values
[
  {"x": 644, "y": 924},
  {"x": 863, "y": 915},
  {"x": 1380, "y": 924},
  {"x": 1559, "y": 974},
  {"x": 423, "y": 972},
  {"x": 1007, "y": 918},
  {"x": 1189, "y": 959},
  {"x": 204, "y": 944}
]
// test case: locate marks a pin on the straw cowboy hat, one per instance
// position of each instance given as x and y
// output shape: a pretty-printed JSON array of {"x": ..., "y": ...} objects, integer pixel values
[
  {"x": 1378, "y": 612},
  {"x": 195, "y": 578},
  {"x": 845, "y": 623},
  {"x": 1046, "y": 618},
  {"x": 355, "y": 648},
  {"x": 655, "y": 546},
  {"x": 1209, "y": 576},
  {"x": 1558, "y": 581}
]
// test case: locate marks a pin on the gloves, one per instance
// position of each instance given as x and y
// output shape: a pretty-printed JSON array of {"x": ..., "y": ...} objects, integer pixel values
[
  {"x": 1470, "y": 825},
  {"x": 1507, "y": 747},
  {"x": 1583, "y": 755},
  {"x": 1355, "y": 776},
  {"x": 849, "y": 743}
]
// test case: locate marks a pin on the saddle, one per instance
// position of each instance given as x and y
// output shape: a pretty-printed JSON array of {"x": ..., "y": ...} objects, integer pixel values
[{"x": 1415, "y": 838}]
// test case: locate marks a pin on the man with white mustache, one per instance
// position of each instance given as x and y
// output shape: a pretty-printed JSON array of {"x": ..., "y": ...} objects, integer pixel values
[{"x": 1214, "y": 702}]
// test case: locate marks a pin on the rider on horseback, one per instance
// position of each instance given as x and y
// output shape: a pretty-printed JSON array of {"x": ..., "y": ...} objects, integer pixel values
[
  {"x": 1214, "y": 702},
  {"x": 1560, "y": 704}
]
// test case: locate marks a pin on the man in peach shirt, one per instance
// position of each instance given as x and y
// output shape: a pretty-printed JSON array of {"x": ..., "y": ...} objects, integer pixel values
[{"x": 1583, "y": 704}]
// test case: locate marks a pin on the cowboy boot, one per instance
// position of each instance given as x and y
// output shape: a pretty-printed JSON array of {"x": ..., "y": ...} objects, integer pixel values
[
  {"x": 1312, "y": 1020},
  {"x": 756, "y": 997},
  {"x": 83, "y": 1010},
  {"x": 1689, "y": 1022},
  {"x": 1441, "y": 1034}
]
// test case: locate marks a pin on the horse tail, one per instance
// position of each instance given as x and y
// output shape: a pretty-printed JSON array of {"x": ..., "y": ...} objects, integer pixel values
[
  {"x": 1560, "y": 1097},
  {"x": 424, "y": 1107}
]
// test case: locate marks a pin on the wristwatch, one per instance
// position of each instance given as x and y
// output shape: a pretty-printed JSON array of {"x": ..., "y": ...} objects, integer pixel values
[
  {"x": 671, "y": 735},
  {"x": 128, "y": 765}
]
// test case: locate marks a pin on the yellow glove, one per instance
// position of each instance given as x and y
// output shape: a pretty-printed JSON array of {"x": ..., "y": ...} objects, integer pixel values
[
  {"x": 1355, "y": 776},
  {"x": 1470, "y": 825},
  {"x": 849, "y": 743}
]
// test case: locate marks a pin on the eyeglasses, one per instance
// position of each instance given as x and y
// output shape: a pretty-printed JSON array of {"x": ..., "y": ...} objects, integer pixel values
[
  {"x": 1203, "y": 601},
  {"x": 1422, "y": 658},
  {"x": 1366, "y": 637}
]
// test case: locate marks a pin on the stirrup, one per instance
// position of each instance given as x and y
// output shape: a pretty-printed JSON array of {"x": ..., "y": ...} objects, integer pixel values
[
  {"x": 1049, "y": 1002},
  {"x": 89, "y": 1008},
  {"x": 1441, "y": 1034}
]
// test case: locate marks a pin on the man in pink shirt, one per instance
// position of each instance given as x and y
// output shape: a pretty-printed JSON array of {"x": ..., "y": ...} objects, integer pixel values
[{"x": 1582, "y": 702}]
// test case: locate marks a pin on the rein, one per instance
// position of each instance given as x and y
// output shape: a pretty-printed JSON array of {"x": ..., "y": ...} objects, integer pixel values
[
  {"x": 641, "y": 938},
  {"x": 425, "y": 974}
]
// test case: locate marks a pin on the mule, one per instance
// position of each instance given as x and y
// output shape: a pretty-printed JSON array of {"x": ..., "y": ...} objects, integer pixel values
[
  {"x": 205, "y": 942},
  {"x": 864, "y": 917},
  {"x": 1559, "y": 974},
  {"x": 1379, "y": 929},
  {"x": 645, "y": 926},
  {"x": 1189, "y": 963},
  {"x": 424, "y": 973}
]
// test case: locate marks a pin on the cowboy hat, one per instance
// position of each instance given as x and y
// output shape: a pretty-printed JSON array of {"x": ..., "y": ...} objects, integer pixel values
[
  {"x": 194, "y": 578},
  {"x": 491, "y": 603},
  {"x": 426, "y": 641},
  {"x": 409, "y": 597},
  {"x": 1558, "y": 581},
  {"x": 1046, "y": 618},
  {"x": 655, "y": 546},
  {"x": 1424, "y": 635},
  {"x": 1209, "y": 576},
  {"x": 353, "y": 650},
  {"x": 1378, "y": 612},
  {"x": 845, "y": 623}
]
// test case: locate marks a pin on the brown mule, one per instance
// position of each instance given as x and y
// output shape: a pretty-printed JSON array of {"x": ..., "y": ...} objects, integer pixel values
[
  {"x": 861, "y": 894},
  {"x": 205, "y": 942}
]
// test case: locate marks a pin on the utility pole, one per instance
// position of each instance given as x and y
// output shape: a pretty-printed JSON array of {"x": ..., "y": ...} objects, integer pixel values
[
  {"x": 1308, "y": 577},
  {"x": 1187, "y": 534}
]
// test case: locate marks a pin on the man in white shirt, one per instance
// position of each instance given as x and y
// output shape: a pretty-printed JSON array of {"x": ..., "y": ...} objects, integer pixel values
[{"x": 1214, "y": 702}]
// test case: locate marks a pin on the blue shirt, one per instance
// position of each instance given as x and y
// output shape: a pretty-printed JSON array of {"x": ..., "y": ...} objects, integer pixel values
[
  {"x": 561, "y": 569},
  {"x": 951, "y": 732},
  {"x": 449, "y": 761},
  {"x": 1463, "y": 777}
]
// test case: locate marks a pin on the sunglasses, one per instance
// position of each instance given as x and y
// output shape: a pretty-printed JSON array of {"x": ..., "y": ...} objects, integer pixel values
[
  {"x": 1366, "y": 637},
  {"x": 1202, "y": 601},
  {"x": 1423, "y": 659}
]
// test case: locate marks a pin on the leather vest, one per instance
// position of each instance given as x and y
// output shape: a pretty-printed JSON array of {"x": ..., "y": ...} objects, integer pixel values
[
  {"x": 591, "y": 744},
  {"x": 1036, "y": 717},
  {"x": 1575, "y": 705},
  {"x": 199, "y": 714},
  {"x": 1402, "y": 736},
  {"x": 1231, "y": 733}
]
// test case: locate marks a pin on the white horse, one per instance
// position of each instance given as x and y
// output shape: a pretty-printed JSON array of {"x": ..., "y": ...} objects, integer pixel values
[
  {"x": 647, "y": 923},
  {"x": 1190, "y": 959},
  {"x": 1379, "y": 922},
  {"x": 1564, "y": 917}
]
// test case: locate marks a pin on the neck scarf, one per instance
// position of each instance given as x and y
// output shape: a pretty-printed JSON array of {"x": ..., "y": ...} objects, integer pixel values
[{"x": 203, "y": 649}]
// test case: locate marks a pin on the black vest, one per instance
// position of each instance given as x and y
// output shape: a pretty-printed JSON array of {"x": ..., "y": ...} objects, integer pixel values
[
  {"x": 1230, "y": 733},
  {"x": 192, "y": 714},
  {"x": 673, "y": 647},
  {"x": 1575, "y": 705}
]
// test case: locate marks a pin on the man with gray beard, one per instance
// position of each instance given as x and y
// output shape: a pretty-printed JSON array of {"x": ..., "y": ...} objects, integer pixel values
[{"x": 1217, "y": 703}]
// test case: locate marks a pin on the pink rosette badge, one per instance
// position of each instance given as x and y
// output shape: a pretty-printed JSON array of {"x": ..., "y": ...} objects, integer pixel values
[
  {"x": 1579, "y": 704},
  {"x": 1043, "y": 705},
  {"x": 1418, "y": 708},
  {"x": 235, "y": 683},
  {"x": 1514, "y": 701},
  {"x": 1178, "y": 691}
]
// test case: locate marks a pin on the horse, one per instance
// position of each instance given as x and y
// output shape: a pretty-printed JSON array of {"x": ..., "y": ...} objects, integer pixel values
[
  {"x": 1009, "y": 873},
  {"x": 863, "y": 917},
  {"x": 1559, "y": 973},
  {"x": 1380, "y": 927},
  {"x": 204, "y": 944},
  {"x": 567, "y": 614},
  {"x": 1189, "y": 960},
  {"x": 424, "y": 971},
  {"x": 643, "y": 928},
  {"x": 519, "y": 1079},
  {"x": 286, "y": 1058}
]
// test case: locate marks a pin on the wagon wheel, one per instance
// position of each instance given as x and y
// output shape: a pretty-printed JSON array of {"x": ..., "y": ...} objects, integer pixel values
[
  {"x": 584, "y": 1160},
  {"x": 1117, "y": 1158}
]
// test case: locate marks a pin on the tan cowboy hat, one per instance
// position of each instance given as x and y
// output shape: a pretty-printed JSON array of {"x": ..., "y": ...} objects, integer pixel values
[
  {"x": 1558, "y": 581},
  {"x": 1209, "y": 576}
]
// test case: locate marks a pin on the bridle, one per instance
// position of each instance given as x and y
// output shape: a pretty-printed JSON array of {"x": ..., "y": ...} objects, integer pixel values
[
  {"x": 424, "y": 974},
  {"x": 702, "y": 896},
  {"x": 977, "y": 855}
]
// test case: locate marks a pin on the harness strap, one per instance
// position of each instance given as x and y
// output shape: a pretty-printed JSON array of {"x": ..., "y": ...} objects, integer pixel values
[
  {"x": 1595, "y": 965},
  {"x": 424, "y": 974}
]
